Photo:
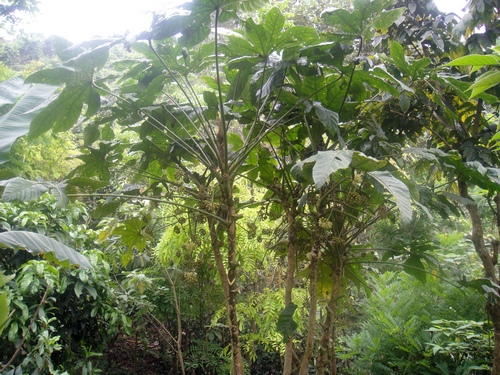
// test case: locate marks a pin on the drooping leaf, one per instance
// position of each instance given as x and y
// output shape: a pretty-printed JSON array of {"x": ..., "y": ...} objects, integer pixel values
[
  {"x": 480, "y": 285},
  {"x": 63, "y": 112},
  {"x": 286, "y": 325},
  {"x": 20, "y": 189},
  {"x": 16, "y": 122},
  {"x": 170, "y": 26},
  {"x": 327, "y": 117},
  {"x": 38, "y": 244},
  {"x": 399, "y": 191},
  {"x": 78, "y": 288},
  {"x": 325, "y": 163},
  {"x": 398, "y": 56},
  {"x": 475, "y": 60},
  {"x": 484, "y": 82},
  {"x": 275, "y": 80},
  {"x": 362, "y": 162},
  {"x": 414, "y": 266}
]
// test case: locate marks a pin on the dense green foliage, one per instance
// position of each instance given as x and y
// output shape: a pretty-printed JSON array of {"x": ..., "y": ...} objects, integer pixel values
[{"x": 233, "y": 181}]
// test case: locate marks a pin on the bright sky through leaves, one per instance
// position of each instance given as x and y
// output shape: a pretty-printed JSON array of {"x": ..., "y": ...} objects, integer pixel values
[{"x": 82, "y": 20}]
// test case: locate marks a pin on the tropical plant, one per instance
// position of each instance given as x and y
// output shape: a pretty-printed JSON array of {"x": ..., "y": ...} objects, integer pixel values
[
  {"x": 413, "y": 328},
  {"x": 322, "y": 121},
  {"x": 49, "y": 299},
  {"x": 18, "y": 100}
]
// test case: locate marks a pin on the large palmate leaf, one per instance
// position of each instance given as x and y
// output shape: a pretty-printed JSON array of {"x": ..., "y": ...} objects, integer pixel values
[
  {"x": 26, "y": 99},
  {"x": 20, "y": 189},
  {"x": 38, "y": 244},
  {"x": 398, "y": 189}
]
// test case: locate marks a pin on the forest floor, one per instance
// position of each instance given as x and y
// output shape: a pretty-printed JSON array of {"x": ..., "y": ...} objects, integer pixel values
[{"x": 129, "y": 357}]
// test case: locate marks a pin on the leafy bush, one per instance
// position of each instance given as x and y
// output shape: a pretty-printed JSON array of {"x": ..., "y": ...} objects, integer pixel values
[
  {"x": 57, "y": 312},
  {"x": 398, "y": 333}
]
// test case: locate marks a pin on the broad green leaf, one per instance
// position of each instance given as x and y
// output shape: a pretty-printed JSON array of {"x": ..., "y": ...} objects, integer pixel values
[
  {"x": 11, "y": 90},
  {"x": 131, "y": 233},
  {"x": 379, "y": 72},
  {"x": 38, "y": 244},
  {"x": 398, "y": 56},
  {"x": 78, "y": 288},
  {"x": 399, "y": 191},
  {"x": 4, "y": 303},
  {"x": 258, "y": 37},
  {"x": 414, "y": 266},
  {"x": 376, "y": 82},
  {"x": 63, "y": 112},
  {"x": 93, "y": 56},
  {"x": 327, "y": 117},
  {"x": 170, "y": 26},
  {"x": 286, "y": 325},
  {"x": 4, "y": 310},
  {"x": 55, "y": 76},
  {"x": 211, "y": 99},
  {"x": 346, "y": 22},
  {"x": 325, "y": 163},
  {"x": 387, "y": 17},
  {"x": 20, "y": 189},
  {"x": 16, "y": 122},
  {"x": 239, "y": 46},
  {"x": 273, "y": 23},
  {"x": 404, "y": 102},
  {"x": 417, "y": 66},
  {"x": 484, "y": 82},
  {"x": 475, "y": 60},
  {"x": 364, "y": 163}
]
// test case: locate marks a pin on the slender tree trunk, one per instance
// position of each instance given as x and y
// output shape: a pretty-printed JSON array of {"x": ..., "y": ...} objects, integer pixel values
[
  {"x": 238, "y": 368},
  {"x": 290, "y": 279},
  {"x": 230, "y": 297},
  {"x": 327, "y": 349},
  {"x": 313, "y": 301},
  {"x": 489, "y": 261}
]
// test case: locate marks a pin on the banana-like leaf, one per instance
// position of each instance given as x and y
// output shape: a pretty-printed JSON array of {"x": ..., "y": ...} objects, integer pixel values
[
  {"x": 20, "y": 189},
  {"x": 26, "y": 100},
  {"x": 39, "y": 244}
]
